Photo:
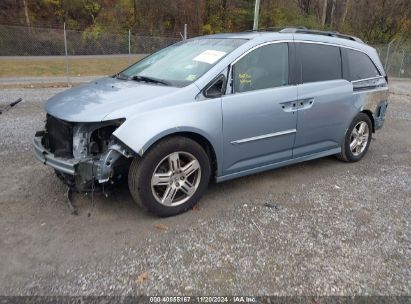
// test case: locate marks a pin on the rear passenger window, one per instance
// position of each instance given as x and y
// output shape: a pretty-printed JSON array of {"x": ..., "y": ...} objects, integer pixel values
[
  {"x": 263, "y": 68},
  {"x": 320, "y": 62},
  {"x": 359, "y": 66}
]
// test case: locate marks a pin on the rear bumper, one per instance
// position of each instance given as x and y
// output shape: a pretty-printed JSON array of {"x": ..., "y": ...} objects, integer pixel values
[{"x": 60, "y": 164}]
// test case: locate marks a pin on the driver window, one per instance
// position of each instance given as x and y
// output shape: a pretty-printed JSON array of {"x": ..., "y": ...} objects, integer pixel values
[{"x": 263, "y": 68}]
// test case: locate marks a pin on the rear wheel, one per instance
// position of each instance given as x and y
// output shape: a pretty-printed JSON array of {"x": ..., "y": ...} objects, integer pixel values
[
  {"x": 357, "y": 139},
  {"x": 171, "y": 177}
]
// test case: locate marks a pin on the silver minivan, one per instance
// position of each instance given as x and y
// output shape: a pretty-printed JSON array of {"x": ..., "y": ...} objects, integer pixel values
[{"x": 215, "y": 108}]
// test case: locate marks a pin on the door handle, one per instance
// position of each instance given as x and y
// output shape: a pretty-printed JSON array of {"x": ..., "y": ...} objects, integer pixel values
[
  {"x": 304, "y": 104},
  {"x": 309, "y": 100},
  {"x": 296, "y": 105},
  {"x": 289, "y": 106}
]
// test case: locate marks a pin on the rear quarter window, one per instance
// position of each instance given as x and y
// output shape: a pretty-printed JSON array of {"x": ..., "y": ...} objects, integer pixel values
[
  {"x": 319, "y": 62},
  {"x": 358, "y": 66}
]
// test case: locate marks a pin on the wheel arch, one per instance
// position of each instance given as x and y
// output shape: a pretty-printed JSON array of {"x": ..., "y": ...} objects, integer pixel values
[
  {"x": 194, "y": 135},
  {"x": 371, "y": 116}
]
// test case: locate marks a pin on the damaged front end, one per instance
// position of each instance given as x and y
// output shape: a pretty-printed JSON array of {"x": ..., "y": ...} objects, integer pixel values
[{"x": 83, "y": 153}]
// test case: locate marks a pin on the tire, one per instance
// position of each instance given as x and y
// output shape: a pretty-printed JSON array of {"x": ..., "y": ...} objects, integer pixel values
[
  {"x": 350, "y": 154},
  {"x": 171, "y": 177}
]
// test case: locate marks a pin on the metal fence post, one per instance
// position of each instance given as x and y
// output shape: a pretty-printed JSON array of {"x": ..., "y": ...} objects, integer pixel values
[
  {"x": 386, "y": 57},
  {"x": 67, "y": 60},
  {"x": 185, "y": 31},
  {"x": 129, "y": 47},
  {"x": 402, "y": 63}
]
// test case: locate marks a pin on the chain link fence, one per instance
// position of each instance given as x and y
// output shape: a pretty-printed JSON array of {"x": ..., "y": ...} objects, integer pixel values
[
  {"x": 24, "y": 41},
  {"x": 396, "y": 58}
]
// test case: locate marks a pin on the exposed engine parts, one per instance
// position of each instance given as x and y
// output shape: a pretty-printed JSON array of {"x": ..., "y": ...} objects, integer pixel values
[{"x": 88, "y": 150}]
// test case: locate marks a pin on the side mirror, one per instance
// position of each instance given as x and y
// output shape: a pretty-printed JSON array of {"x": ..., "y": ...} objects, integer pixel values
[{"x": 216, "y": 88}]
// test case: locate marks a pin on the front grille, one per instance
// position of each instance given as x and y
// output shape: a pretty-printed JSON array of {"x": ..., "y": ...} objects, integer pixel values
[{"x": 59, "y": 137}]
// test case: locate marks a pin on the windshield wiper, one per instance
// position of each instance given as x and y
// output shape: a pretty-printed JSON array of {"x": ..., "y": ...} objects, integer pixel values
[{"x": 150, "y": 79}]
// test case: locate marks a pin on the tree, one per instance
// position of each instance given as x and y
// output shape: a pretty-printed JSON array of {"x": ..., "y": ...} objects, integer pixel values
[
  {"x": 26, "y": 13},
  {"x": 372, "y": 20},
  {"x": 324, "y": 15},
  {"x": 344, "y": 16},
  {"x": 332, "y": 12},
  {"x": 304, "y": 5}
]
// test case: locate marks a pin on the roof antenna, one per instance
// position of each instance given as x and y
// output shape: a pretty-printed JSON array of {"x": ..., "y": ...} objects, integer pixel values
[{"x": 256, "y": 13}]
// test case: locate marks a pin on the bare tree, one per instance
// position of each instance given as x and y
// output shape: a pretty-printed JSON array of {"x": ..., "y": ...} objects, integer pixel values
[
  {"x": 135, "y": 11},
  {"x": 304, "y": 5},
  {"x": 332, "y": 12},
  {"x": 344, "y": 16},
  {"x": 26, "y": 13},
  {"x": 324, "y": 15}
]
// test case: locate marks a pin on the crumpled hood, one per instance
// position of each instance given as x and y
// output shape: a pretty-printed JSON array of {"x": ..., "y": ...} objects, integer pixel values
[{"x": 93, "y": 101}]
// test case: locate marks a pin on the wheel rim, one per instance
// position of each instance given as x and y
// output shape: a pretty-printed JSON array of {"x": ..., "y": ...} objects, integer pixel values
[
  {"x": 359, "y": 138},
  {"x": 176, "y": 178}
]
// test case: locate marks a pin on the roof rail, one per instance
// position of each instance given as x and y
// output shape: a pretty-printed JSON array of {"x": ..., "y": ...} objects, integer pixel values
[
  {"x": 276, "y": 28},
  {"x": 318, "y": 32}
]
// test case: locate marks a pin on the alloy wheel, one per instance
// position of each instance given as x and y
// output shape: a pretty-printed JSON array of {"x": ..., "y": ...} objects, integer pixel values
[
  {"x": 176, "y": 178},
  {"x": 359, "y": 138}
]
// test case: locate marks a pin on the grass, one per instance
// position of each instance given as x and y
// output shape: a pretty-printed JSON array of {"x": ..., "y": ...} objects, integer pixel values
[{"x": 56, "y": 66}]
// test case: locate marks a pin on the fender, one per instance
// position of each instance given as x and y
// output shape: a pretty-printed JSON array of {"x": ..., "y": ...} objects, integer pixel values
[{"x": 204, "y": 118}]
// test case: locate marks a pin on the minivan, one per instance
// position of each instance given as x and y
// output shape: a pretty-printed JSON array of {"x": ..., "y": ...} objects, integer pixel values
[{"x": 214, "y": 108}]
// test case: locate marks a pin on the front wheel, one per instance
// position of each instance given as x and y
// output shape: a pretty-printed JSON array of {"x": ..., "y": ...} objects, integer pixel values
[
  {"x": 171, "y": 177},
  {"x": 357, "y": 139}
]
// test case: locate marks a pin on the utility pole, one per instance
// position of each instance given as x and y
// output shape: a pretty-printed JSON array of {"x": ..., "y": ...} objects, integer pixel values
[{"x": 256, "y": 13}]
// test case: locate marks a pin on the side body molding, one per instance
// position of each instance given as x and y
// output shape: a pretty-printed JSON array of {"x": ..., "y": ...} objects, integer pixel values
[{"x": 203, "y": 118}]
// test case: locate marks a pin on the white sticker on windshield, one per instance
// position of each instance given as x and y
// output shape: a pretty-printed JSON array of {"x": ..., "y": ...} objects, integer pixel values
[
  {"x": 209, "y": 56},
  {"x": 191, "y": 77}
]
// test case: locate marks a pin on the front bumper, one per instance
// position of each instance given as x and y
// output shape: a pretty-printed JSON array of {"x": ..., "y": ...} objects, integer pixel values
[
  {"x": 86, "y": 170},
  {"x": 63, "y": 165}
]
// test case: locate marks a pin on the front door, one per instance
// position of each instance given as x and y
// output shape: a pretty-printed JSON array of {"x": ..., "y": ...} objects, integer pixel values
[{"x": 259, "y": 121}]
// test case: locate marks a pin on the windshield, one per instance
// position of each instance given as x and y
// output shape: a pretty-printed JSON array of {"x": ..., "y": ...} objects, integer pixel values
[{"x": 183, "y": 62}]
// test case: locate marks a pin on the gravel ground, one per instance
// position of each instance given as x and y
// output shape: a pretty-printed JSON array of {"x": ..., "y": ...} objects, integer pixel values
[{"x": 331, "y": 229}]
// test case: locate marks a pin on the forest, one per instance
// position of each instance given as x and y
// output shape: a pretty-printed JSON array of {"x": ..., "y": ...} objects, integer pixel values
[{"x": 374, "y": 21}]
